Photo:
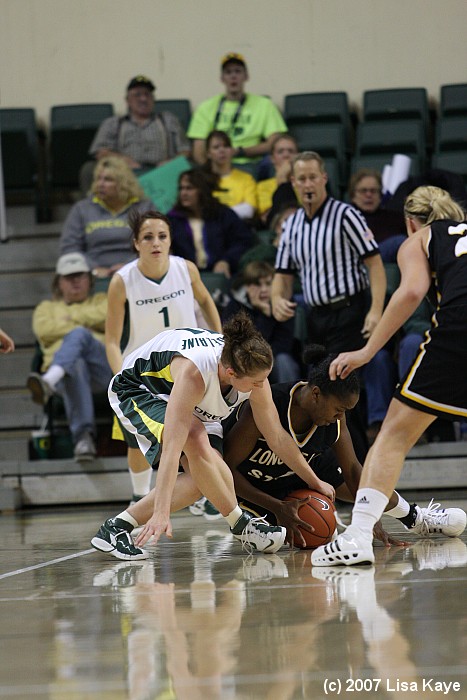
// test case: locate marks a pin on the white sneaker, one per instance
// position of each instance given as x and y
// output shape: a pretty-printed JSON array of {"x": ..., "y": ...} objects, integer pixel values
[
  {"x": 263, "y": 567},
  {"x": 347, "y": 549},
  {"x": 119, "y": 576},
  {"x": 256, "y": 534},
  {"x": 219, "y": 543},
  {"x": 435, "y": 520},
  {"x": 439, "y": 555},
  {"x": 347, "y": 582},
  {"x": 197, "y": 508}
]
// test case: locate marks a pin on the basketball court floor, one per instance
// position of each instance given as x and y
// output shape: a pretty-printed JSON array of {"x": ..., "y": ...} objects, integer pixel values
[{"x": 203, "y": 619}]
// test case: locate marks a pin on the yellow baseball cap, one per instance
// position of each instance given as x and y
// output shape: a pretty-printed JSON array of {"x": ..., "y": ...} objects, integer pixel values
[{"x": 233, "y": 57}]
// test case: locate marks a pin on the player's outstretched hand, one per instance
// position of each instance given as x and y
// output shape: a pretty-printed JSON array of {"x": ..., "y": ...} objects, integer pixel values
[
  {"x": 287, "y": 516},
  {"x": 346, "y": 362},
  {"x": 156, "y": 526},
  {"x": 380, "y": 534},
  {"x": 326, "y": 489}
]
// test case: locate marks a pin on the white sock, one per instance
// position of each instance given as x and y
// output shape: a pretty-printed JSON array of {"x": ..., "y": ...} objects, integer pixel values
[
  {"x": 141, "y": 482},
  {"x": 53, "y": 375},
  {"x": 368, "y": 508},
  {"x": 400, "y": 510},
  {"x": 234, "y": 516},
  {"x": 124, "y": 515}
]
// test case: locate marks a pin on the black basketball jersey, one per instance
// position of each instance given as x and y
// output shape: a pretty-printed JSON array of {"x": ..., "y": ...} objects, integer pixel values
[
  {"x": 447, "y": 249},
  {"x": 264, "y": 465}
]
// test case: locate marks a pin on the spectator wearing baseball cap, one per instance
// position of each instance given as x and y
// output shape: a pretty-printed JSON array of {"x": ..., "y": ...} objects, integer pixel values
[
  {"x": 143, "y": 138},
  {"x": 251, "y": 121},
  {"x": 69, "y": 328}
]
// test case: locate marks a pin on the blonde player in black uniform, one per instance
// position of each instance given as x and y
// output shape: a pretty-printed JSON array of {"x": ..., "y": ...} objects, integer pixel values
[
  {"x": 151, "y": 294},
  {"x": 313, "y": 413},
  {"x": 172, "y": 394},
  {"x": 434, "y": 254}
]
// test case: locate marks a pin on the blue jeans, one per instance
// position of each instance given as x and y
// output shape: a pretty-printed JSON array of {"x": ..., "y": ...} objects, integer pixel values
[
  {"x": 381, "y": 375},
  {"x": 409, "y": 346},
  {"x": 86, "y": 371},
  {"x": 285, "y": 369}
]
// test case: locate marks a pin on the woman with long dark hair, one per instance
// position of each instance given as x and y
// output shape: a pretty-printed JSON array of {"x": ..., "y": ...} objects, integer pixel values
[{"x": 205, "y": 231}]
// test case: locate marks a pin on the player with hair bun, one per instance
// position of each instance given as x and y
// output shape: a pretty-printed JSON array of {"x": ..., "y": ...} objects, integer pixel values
[
  {"x": 172, "y": 394},
  {"x": 313, "y": 413}
]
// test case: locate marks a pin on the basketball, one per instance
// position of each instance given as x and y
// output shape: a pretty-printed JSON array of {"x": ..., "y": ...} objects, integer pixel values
[{"x": 319, "y": 512}]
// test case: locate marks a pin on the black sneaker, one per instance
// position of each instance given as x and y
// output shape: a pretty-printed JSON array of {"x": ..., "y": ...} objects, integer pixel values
[
  {"x": 257, "y": 534},
  {"x": 114, "y": 538}
]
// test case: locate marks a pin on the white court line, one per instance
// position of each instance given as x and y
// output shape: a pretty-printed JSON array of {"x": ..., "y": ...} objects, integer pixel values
[{"x": 46, "y": 563}]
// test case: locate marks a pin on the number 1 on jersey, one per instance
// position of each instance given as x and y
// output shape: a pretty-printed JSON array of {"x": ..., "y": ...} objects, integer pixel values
[{"x": 165, "y": 311}]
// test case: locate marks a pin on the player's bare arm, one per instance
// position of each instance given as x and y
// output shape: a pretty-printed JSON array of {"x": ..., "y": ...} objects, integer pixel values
[
  {"x": 415, "y": 283},
  {"x": 116, "y": 298},
  {"x": 268, "y": 423},
  {"x": 378, "y": 284},
  {"x": 204, "y": 299}
]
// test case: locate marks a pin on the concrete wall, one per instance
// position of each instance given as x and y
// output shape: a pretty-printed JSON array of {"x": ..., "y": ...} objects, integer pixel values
[{"x": 66, "y": 51}]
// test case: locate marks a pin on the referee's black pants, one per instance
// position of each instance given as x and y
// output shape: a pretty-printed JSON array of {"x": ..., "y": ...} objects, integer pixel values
[{"x": 339, "y": 328}]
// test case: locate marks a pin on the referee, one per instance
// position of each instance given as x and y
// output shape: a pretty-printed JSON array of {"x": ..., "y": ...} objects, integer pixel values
[{"x": 341, "y": 272}]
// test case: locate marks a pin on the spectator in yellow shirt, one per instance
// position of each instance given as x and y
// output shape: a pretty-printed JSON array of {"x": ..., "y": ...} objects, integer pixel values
[
  {"x": 283, "y": 150},
  {"x": 234, "y": 188},
  {"x": 70, "y": 331}
]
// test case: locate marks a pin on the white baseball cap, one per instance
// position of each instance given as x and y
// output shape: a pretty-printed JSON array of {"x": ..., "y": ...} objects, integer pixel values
[{"x": 71, "y": 264}]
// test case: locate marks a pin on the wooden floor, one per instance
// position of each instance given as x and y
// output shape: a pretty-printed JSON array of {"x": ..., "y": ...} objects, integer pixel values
[{"x": 202, "y": 619}]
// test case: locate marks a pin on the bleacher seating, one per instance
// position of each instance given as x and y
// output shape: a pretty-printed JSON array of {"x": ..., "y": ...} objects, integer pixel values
[
  {"x": 396, "y": 120},
  {"x": 21, "y": 156},
  {"x": 403, "y": 104},
  {"x": 181, "y": 109},
  {"x": 72, "y": 128},
  {"x": 327, "y": 139},
  {"x": 391, "y": 137},
  {"x": 453, "y": 100},
  {"x": 320, "y": 108}
]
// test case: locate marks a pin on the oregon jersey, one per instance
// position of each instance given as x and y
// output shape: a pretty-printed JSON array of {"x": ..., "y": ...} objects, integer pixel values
[
  {"x": 155, "y": 306},
  {"x": 148, "y": 369}
]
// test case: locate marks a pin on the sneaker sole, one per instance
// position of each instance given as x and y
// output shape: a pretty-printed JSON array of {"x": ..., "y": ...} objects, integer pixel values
[
  {"x": 104, "y": 546},
  {"x": 343, "y": 558},
  {"x": 195, "y": 511},
  {"x": 37, "y": 392},
  {"x": 84, "y": 458},
  {"x": 270, "y": 548}
]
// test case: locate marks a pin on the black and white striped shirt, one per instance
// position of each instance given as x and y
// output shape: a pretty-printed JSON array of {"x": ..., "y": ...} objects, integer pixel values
[{"x": 327, "y": 251}]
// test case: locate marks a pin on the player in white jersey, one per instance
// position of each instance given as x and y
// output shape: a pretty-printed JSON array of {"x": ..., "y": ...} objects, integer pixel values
[
  {"x": 172, "y": 393},
  {"x": 151, "y": 294}
]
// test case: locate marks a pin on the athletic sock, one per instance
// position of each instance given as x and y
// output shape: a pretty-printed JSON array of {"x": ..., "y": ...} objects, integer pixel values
[
  {"x": 401, "y": 510},
  {"x": 124, "y": 515},
  {"x": 233, "y": 517},
  {"x": 368, "y": 508},
  {"x": 53, "y": 375},
  {"x": 141, "y": 482}
]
